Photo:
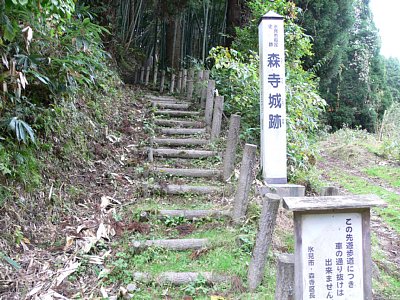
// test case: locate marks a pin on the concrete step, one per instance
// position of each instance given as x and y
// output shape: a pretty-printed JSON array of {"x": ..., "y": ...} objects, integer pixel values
[
  {"x": 191, "y": 214},
  {"x": 181, "y": 278},
  {"x": 177, "y": 106},
  {"x": 179, "y": 123},
  {"x": 177, "y": 113},
  {"x": 188, "y": 172},
  {"x": 181, "y": 153},
  {"x": 184, "y": 142},
  {"x": 172, "y": 244},
  {"x": 181, "y": 131},
  {"x": 179, "y": 189}
]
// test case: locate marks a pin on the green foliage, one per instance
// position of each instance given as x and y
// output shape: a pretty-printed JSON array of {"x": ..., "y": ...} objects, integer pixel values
[
  {"x": 174, "y": 221},
  {"x": 13, "y": 263},
  {"x": 390, "y": 175},
  {"x": 54, "y": 54},
  {"x": 357, "y": 83},
  {"x": 237, "y": 78},
  {"x": 120, "y": 269},
  {"x": 357, "y": 185},
  {"x": 50, "y": 50},
  {"x": 393, "y": 77},
  {"x": 197, "y": 287},
  {"x": 329, "y": 23},
  {"x": 18, "y": 162}
]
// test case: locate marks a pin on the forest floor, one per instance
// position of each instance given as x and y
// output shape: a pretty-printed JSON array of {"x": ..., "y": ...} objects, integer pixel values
[{"x": 72, "y": 239}]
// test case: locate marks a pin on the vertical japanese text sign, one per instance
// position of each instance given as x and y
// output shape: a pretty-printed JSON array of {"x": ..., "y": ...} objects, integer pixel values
[{"x": 273, "y": 99}]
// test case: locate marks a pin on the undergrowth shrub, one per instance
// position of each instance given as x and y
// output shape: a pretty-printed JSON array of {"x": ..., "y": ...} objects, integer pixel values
[
  {"x": 52, "y": 65},
  {"x": 389, "y": 131}
]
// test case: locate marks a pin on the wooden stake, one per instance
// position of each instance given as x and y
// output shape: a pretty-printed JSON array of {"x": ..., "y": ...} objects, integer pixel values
[
  {"x": 209, "y": 104},
  {"x": 285, "y": 277},
  {"x": 190, "y": 88},
  {"x": 231, "y": 146},
  {"x": 246, "y": 178},
  {"x": 263, "y": 240},
  {"x": 150, "y": 155},
  {"x": 217, "y": 117}
]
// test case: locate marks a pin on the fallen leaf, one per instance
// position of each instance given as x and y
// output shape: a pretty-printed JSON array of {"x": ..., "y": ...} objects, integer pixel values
[
  {"x": 102, "y": 232},
  {"x": 80, "y": 228},
  {"x": 69, "y": 242},
  {"x": 71, "y": 268},
  {"x": 35, "y": 290},
  {"x": 103, "y": 291},
  {"x": 197, "y": 253},
  {"x": 51, "y": 295}
]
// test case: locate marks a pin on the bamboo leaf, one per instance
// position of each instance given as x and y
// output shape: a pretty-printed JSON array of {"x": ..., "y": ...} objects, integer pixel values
[{"x": 13, "y": 263}]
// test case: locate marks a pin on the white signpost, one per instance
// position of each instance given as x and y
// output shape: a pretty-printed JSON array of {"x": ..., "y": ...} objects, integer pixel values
[
  {"x": 332, "y": 246},
  {"x": 273, "y": 99}
]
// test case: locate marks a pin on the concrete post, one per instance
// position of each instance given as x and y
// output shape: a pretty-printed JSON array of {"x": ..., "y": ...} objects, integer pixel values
[
  {"x": 209, "y": 104},
  {"x": 217, "y": 118},
  {"x": 231, "y": 146},
  {"x": 246, "y": 178},
  {"x": 263, "y": 240}
]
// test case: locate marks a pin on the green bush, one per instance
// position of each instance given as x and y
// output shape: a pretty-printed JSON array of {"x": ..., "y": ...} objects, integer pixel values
[{"x": 48, "y": 51}]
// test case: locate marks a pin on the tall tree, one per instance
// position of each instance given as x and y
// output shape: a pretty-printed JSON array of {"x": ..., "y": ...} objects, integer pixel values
[
  {"x": 329, "y": 23},
  {"x": 233, "y": 20},
  {"x": 352, "y": 74},
  {"x": 393, "y": 77}
]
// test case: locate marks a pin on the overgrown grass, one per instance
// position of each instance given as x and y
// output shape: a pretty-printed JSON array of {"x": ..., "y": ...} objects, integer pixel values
[
  {"x": 346, "y": 141},
  {"x": 228, "y": 252},
  {"x": 388, "y": 285},
  {"x": 357, "y": 185},
  {"x": 389, "y": 174}
]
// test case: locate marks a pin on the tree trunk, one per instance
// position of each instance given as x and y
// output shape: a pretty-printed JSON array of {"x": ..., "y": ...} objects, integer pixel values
[
  {"x": 173, "y": 41},
  {"x": 232, "y": 20}
]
